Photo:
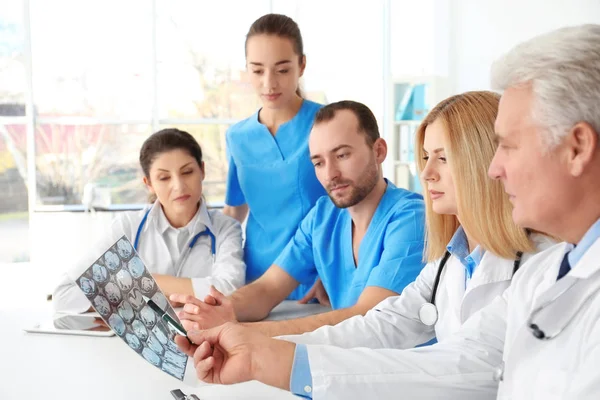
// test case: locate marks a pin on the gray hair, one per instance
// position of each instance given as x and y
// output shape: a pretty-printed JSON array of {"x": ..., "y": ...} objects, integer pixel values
[{"x": 563, "y": 67}]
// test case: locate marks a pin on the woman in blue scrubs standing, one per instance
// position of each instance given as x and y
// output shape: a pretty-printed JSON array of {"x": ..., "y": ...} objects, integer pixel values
[{"x": 271, "y": 179}]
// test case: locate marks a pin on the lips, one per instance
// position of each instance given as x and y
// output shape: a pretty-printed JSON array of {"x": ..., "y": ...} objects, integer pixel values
[
  {"x": 434, "y": 194},
  {"x": 272, "y": 97},
  {"x": 182, "y": 198},
  {"x": 338, "y": 187}
]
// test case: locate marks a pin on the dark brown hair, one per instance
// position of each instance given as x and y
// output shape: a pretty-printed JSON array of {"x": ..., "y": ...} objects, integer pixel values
[
  {"x": 367, "y": 123},
  {"x": 281, "y": 26},
  {"x": 167, "y": 140}
]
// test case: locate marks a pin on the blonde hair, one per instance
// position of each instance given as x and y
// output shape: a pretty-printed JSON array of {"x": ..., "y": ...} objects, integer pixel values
[{"x": 484, "y": 209}]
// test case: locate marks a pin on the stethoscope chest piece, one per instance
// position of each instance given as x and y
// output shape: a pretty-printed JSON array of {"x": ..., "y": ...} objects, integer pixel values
[{"x": 428, "y": 314}]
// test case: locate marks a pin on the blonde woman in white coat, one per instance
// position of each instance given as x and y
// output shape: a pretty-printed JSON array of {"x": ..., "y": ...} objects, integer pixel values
[
  {"x": 473, "y": 247},
  {"x": 185, "y": 246}
]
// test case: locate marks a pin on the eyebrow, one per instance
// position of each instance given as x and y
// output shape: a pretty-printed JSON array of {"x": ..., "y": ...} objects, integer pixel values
[
  {"x": 435, "y": 151},
  {"x": 257, "y": 64},
  {"x": 166, "y": 170},
  {"x": 335, "y": 149}
]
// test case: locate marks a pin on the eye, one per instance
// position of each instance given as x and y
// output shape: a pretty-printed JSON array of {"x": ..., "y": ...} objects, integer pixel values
[
  {"x": 164, "y": 178},
  {"x": 343, "y": 156},
  {"x": 187, "y": 172},
  {"x": 317, "y": 164},
  {"x": 442, "y": 159},
  {"x": 257, "y": 72},
  {"x": 284, "y": 71},
  {"x": 425, "y": 158}
]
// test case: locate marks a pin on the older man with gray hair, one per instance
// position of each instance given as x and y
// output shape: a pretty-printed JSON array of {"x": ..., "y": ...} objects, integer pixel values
[{"x": 541, "y": 338}]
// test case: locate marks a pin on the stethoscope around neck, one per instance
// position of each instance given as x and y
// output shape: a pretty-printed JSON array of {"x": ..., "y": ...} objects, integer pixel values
[
  {"x": 183, "y": 257},
  {"x": 428, "y": 313}
]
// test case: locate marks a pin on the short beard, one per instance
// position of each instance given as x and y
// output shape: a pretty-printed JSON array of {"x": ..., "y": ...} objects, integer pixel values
[{"x": 365, "y": 185}]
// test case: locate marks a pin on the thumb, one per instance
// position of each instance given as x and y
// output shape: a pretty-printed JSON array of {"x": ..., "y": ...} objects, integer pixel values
[
  {"x": 210, "y": 300},
  {"x": 218, "y": 296},
  {"x": 209, "y": 335},
  {"x": 308, "y": 296}
]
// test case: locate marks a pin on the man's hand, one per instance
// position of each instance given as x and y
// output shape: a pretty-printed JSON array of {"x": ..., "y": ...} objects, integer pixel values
[
  {"x": 316, "y": 292},
  {"x": 215, "y": 310},
  {"x": 232, "y": 353}
]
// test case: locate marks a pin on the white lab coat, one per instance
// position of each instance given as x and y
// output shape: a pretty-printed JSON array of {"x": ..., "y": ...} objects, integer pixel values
[
  {"x": 394, "y": 323},
  {"x": 462, "y": 366},
  {"x": 227, "y": 272}
]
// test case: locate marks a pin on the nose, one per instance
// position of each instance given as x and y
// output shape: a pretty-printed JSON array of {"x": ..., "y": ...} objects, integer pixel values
[
  {"x": 178, "y": 183},
  {"x": 332, "y": 172},
  {"x": 269, "y": 80},
  {"x": 495, "y": 171},
  {"x": 429, "y": 174}
]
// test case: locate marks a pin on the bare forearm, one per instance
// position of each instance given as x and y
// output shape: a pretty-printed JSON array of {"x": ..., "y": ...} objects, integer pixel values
[
  {"x": 252, "y": 303},
  {"x": 273, "y": 363},
  {"x": 172, "y": 284},
  {"x": 306, "y": 324},
  {"x": 239, "y": 212}
]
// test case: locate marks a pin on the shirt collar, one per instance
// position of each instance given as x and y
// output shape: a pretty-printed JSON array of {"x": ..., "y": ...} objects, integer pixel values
[
  {"x": 459, "y": 248},
  {"x": 584, "y": 244},
  {"x": 458, "y": 245},
  {"x": 198, "y": 223}
]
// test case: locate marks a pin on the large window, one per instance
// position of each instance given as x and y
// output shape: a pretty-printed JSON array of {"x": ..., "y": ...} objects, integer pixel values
[
  {"x": 70, "y": 156},
  {"x": 14, "y": 219},
  {"x": 82, "y": 84}
]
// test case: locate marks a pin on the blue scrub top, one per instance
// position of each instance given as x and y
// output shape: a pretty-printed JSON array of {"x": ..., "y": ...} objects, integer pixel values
[
  {"x": 275, "y": 177},
  {"x": 390, "y": 254}
]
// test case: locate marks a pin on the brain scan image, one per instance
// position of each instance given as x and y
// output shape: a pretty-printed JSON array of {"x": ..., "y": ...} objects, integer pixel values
[
  {"x": 124, "y": 248},
  {"x": 124, "y": 280},
  {"x": 175, "y": 370},
  {"x": 160, "y": 300},
  {"x": 113, "y": 293},
  {"x": 99, "y": 273},
  {"x": 116, "y": 286},
  {"x": 117, "y": 324},
  {"x": 111, "y": 260},
  {"x": 136, "y": 299},
  {"x": 136, "y": 267},
  {"x": 133, "y": 341},
  {"x": 146, "y": 284},
  {"x": 140, "y": 329},
  {"x": 172, "y": 346},
  {"x": 176, "y": 358},
  {"x": 126, "y": 312},
  {"x": 155, "y": 345},
  {"x": 148, "y": 316},
  {"x": 101, "y": 305},
  {"x": 161, "y": 334},
  {"x": 88, "y": 286},
  {"x": 151, "y": 356}
]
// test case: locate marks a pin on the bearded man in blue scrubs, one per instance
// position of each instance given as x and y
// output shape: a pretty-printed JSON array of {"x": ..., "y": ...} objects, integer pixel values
[{"x": 364, "y": 240}]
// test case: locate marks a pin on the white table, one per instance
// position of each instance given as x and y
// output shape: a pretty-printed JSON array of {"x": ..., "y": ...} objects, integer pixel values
[{"x": 46, "y": 366}]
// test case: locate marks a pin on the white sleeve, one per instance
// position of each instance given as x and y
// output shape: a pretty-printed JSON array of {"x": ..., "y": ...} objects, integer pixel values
[
  {"x": 462, "y": 367},
  {"x": 67, "y": 296},
  {"x": 393, "y": 323},
  {"x": 229, "y": 269}
]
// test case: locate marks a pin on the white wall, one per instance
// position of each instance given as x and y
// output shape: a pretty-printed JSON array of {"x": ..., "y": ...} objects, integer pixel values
[{"x": 481, "y": 31}]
